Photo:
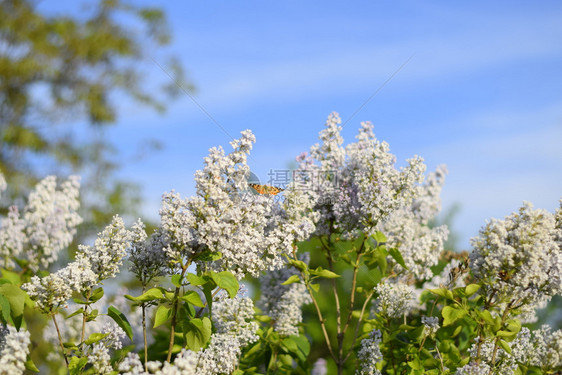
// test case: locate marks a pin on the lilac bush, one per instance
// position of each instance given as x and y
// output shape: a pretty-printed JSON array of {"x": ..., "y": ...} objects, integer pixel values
[{"x": 338, "y": 276}]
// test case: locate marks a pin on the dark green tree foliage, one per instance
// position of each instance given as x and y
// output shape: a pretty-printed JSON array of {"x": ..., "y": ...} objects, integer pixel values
[{"x": 57, "y": 69}]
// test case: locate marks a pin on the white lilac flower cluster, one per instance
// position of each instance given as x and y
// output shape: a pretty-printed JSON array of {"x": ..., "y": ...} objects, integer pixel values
[
  {"x": 14, "y": 348},
  {"x": 473, "y": 368},
  {"x": 369, "y": 354},
  {"x": 394, "y": 299},
  {"x": 93, "y": 264},
  {"x": 431, "y": 325},
  {"x": 47, "y": 225},
  {"x": 519, "y": 258},
  {"x": 504, "y": 364},
  {"x": 283, "y": 303},
  {"x": 408, "y": 231},
  {"x": 234, "y": 316},
  {"x": 541, "y": 348},
  {"x": 220, "y": 357},
  {"x": 546, "y": 349},
  {"x": 356, "y": 187},
  {"x": 251, "y": 232}
]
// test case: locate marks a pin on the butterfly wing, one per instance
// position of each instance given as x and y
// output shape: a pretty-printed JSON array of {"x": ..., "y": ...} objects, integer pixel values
[{"x": 265, "y": 189}]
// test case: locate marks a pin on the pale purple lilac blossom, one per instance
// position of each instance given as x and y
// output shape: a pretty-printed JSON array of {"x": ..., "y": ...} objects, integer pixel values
[
  {"x": 369, "y": 354},
  {"x": 357, "y": 187}
]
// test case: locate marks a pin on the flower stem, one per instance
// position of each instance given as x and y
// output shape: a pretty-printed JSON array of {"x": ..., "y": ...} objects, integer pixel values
[{"x": 60, "y": 340}]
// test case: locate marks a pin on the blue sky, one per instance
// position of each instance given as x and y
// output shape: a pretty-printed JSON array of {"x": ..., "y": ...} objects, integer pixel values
[{"x": 481, "y": 94}]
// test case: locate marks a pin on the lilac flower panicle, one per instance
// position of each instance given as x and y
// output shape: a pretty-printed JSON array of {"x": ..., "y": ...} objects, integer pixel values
[
  {"x": 431, "y": 325},
  {"x": 407, "y": 230},
  {"x": 110, "y": 247},
  {"x": 369, "y": 354},
  {"x": 131, "y": 365},
  {"x": 12, "y": 237},
  {"x": 14, "y": 349},
  {"x": 251, "y": 232},
  {"x": 147, "y": 255},
  {"x": 93, "y": 264},
  {"x": 394, "y": 299},
  {"x": 100, "y": 359},
  {"x": 357, "y": 187},
  {"x": 474, "y": 368},
  {"x": 47, "y": 225},
  {"x": 519, "y": 258},
  {"x": 283, "y": 303},
  {"x": 234, "y": 316}
]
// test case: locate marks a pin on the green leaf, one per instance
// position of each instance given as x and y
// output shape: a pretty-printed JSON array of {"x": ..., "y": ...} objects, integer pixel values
[
  {"x": 121, "y": 321},
  {"x": 451, "y": 314},
  {"x": 379, "y": 237},
  {"x": 415, "y": 364},
  {"x": 315, "y": 287},
  {"x": 505, "y": 346},
  {"x": 150, "y": 295},
  {"x": 163, "y": 313},
  {"x": 5, "y": 308},
  {"x": 195, "y": 280},
  {"x": 456, "y": 331},
  {"x": 471, "y": 289},
  {"x": 324, "y": 273},
  {"x": 513, "y": 325},
  {"x": 12, "y": 277},
  {"x": 176, "y": 280},
  {"x": 77, "y": 364},
  {"x": 487, "y": 317},
  {"x": 96, "y": 295},
  {"x": 227, "y": 281},
  {"x": 505, "y": 334},
  {"x": 298, "y": 345},
  {"x": 92, "y": 315},
  {"x": 303, "y": 344},
  {"x": 299, "y": 264},
  {"x": 292, "y": 279},
  {"x": 17, "y": 298},
  {"x": 77, "y": 312},
  {"x": 395, "y": 254},
  {"x": 95, "y": 337},
  {"x": 443, "y": 292},
  {"x": 208, "y": 292},
  {"x": 199, "y": 332},
  {"x": 30, "y": 366},
  {"x": 193, "y": 297}
]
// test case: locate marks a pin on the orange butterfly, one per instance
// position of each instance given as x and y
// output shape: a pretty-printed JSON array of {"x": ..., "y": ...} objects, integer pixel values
[{"x": 266, "y": 189}]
